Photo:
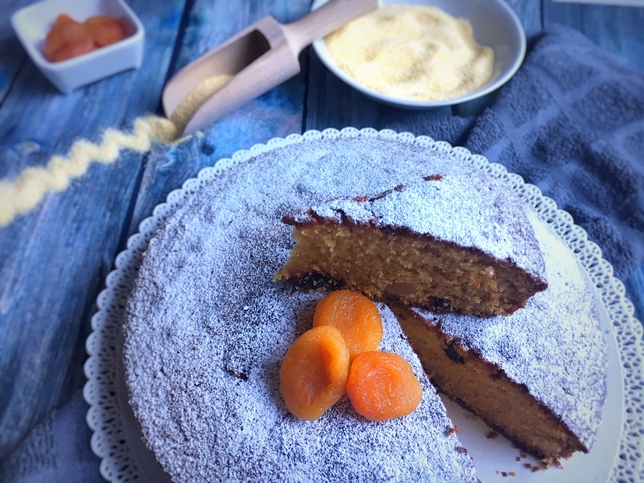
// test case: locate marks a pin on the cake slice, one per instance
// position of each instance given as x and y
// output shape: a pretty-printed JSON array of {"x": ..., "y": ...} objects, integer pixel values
[
  {"x": 448, "y": 243},
  {"x": 538, "y": 376}
]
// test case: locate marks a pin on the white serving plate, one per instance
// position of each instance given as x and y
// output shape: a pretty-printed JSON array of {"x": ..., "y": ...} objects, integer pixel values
[
  {"x": 117, "y": 441},
  {"x": 494, "y": 24},
  {"x": 32, "y": 23}
]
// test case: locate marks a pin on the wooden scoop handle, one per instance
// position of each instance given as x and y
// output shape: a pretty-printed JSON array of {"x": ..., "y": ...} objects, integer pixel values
[{"x": 329, "y": 17}]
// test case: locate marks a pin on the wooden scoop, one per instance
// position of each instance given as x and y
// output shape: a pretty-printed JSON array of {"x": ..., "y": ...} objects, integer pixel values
[{"x": 259, "y": 58}]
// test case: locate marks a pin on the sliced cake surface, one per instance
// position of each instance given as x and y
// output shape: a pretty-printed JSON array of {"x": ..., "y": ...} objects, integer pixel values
[
  {"x": 542, "y": 383},
  {"x": 207, "y": 329},
  {"x": 453, "y": 242}
]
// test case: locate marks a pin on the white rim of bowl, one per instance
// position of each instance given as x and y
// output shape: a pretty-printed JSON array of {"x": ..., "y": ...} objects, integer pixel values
[{"x": 327, "y": 60}]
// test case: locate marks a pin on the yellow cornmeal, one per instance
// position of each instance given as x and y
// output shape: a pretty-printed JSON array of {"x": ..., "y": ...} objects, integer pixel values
[
  {"x": 412, "y": 52},
  {"x": 196, "y": 98},
  {"x": 24, "y": 193}
]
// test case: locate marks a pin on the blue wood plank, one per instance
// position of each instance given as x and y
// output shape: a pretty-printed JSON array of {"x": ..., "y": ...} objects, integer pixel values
[
  {"x": 12, "y": 55},
  {"x": 275, "y": 114},
  {"x": 53, "y": 261},
  {"x": 618, "y": 30},
  {"x": 635, "y": 292},
  {"x": 531, "y": 15}
]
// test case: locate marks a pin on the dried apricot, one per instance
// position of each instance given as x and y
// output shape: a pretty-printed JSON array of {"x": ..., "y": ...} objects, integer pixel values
[
  {"x": 63, "y": 18},
  {"x": 105, "y": 30},
  {"x": 383, "y": 386},
  {"x": 64, "y": 33},
  {"x": 74, "y": 49},
  {"x": 314, "y": 372},
  {"x": 355, "y": 316}
]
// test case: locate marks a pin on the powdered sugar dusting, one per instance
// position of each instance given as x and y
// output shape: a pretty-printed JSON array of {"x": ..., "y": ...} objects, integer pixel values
[
  {"x": 554, "y": 347},
  {"x": 207, "y": 330},
  {"x": 468, "y": 209}
]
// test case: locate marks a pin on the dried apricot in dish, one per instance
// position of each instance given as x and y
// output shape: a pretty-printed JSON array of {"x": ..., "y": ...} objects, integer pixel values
[
  {"x": 67, "y": 39},
  {"x": 63, "y": 18},
  {"x": 355, "y": 316},
  {"x": 383, "y": 386},
  {"x": 314, "y": 372},
  {"x": 105, "y": 30}
]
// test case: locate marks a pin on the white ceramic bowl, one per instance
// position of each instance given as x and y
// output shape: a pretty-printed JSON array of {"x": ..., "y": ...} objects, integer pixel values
[
  {"x": 494, "y": 24},
  {"x": 33, "y": 22}
]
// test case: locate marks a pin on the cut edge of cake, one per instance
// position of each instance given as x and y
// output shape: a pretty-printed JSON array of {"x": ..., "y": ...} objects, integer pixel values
[
  {"x": 503, "y": 404},
  {"x": 397, "y": 247}
]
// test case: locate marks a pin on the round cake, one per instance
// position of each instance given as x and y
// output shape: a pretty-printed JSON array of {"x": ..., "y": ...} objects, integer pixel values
[{"x": 207, "y": 328}]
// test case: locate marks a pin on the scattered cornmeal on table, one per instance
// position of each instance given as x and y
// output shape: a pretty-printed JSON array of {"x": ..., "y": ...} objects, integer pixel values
[{"x": 412, "y": 52}]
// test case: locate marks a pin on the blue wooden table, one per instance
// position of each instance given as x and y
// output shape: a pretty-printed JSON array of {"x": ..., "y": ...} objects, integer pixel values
[{"x": 53, "y": 261}]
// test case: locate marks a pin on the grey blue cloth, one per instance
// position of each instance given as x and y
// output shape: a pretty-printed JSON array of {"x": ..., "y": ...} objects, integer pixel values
[
  {"x": 56, "y": 451},
  {"x": 571, "y": 121}
]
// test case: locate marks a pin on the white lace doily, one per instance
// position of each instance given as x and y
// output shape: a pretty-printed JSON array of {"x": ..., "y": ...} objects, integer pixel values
[{"x": 105, "y": 417}]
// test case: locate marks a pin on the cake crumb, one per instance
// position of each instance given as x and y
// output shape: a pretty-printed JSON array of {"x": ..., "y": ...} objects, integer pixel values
[
  {"x": 528, "y": 465},
  {"x": 491, "y": 435},
  {"x": 518, "y": 458},
  {"x": 433, "y": 177}
]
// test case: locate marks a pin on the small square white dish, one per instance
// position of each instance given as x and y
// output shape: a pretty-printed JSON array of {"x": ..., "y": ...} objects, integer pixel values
[{"x": 32, "y": 23}]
